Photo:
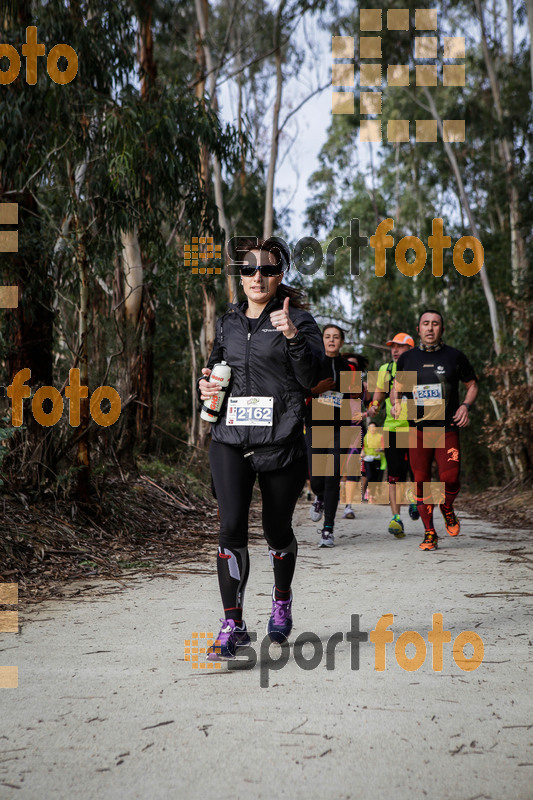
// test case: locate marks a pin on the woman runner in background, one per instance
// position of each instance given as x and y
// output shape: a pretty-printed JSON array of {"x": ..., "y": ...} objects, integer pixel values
[
  {"x": 353, "y": 480},
  {"x": 327, "y": 423}
]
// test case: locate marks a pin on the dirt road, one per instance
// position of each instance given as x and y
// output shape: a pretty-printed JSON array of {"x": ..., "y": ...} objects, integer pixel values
[{"x": 108, "y": 707}]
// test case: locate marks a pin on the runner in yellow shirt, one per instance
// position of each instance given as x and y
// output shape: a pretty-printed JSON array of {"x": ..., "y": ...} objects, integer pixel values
[
  {"x": 397, "y": 457},
  {"x": 374, "y": 454}
]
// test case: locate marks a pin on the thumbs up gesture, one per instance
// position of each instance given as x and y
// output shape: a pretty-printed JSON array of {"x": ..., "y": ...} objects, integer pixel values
[{"x": 282, "y": 322}]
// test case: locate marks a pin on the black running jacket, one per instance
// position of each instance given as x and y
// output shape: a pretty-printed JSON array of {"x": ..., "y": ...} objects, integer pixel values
[{"x": 265, "y": 363}]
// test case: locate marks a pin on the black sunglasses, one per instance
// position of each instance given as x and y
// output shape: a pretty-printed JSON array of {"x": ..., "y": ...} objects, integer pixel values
[{"x": 267, "y": 270}]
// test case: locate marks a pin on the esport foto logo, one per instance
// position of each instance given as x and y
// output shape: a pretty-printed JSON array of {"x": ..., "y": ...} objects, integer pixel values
[{"x": 410, "y": 649}]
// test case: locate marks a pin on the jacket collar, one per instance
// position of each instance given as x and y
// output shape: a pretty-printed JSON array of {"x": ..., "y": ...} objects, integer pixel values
[
  {"x": 241, "y": 307},
  {"x": 431, "y": 348}
]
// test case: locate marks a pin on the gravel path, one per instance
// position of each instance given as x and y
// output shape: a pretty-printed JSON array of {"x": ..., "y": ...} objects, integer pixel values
[{"x": 108, "y": 707}]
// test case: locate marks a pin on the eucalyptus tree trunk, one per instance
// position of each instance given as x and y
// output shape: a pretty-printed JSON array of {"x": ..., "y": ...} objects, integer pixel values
[
  {"x": 242, "y": 175},
  {"x": 139, "y": 311},
  {"x": 202, "y": 16},
  {"x": 518, "y": 249},
  {"x": 519, "y": 260},
  {"x": 83, "y": 455},
  {"x": 193, "y": 428},
  {"x": 483, "y": 275},
  {"x": 529, "y": 7},
  {"x": 139, "y": 324},
  {"x": 132, "y": 266},
  {"x": 268, "y": 222}
]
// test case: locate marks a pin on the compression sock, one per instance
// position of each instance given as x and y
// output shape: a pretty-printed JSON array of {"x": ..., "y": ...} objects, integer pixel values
[
  {"x": 283, "y": 563},
  {"x": 426, "y": 513},
  {"x": 234, "y": 614},
  {"x": 451, "y": 490},
  {"x": 233, "y": 567}
]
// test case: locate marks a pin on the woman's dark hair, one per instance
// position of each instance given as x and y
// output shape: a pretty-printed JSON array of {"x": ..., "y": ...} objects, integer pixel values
[
  {"x": 362, "y": 361},
  {"x": 297, "y": 296},
  {"x": 277, "y": 246},
  {"x": 332, "y": 325}
]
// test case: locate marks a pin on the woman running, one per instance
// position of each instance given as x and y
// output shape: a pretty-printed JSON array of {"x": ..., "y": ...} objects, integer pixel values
[
  {"x": 274, "y": 349},
  {"x": 353, "y": 480},
  {"x": 325, "y": 444}
]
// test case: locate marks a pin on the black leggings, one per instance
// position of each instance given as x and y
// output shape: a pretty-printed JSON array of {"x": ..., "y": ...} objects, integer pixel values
[
  {"x": 326, "y": 487},
  {"x": 234, "y": 478},
  {"x": 374, "y": 473}
]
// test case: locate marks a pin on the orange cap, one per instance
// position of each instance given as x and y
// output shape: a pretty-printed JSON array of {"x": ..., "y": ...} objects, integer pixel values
[{"x": 402, "y": 338}]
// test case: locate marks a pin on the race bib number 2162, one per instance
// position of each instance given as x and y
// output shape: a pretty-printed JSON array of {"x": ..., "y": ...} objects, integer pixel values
[{"x": 250, "y": 411}]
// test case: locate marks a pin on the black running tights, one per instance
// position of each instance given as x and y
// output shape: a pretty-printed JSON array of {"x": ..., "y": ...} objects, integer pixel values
[
  {"x": 326, "y": 488},
  {"x": 233, "y": 479}
]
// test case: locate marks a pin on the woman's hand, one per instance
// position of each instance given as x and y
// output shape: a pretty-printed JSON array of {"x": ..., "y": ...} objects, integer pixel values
[
  {"x": 282, "y": 322},
  {"x": 207, "y": 389}
]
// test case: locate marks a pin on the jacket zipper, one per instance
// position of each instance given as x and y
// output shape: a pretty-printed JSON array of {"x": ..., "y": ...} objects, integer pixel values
[
  {"x": 246, "y": 366},
  {"x": 249, "y": 336},
  {"x": 248, "y": 383}
]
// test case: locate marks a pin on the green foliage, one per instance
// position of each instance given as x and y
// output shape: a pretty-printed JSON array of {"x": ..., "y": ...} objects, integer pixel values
[
  {"x": 89, "y": 160},
  {"x": 6, "y": 433},
  {"x": 413, "y": 183}
]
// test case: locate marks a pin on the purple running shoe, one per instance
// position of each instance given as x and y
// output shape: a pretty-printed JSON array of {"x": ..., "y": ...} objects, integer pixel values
[
  {"x": 229, "y": 638},
  {"x": 280, "y": 623}
]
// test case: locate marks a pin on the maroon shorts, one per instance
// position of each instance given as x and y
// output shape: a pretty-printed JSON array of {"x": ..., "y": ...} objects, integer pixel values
[{"x": 448, "y": 458}]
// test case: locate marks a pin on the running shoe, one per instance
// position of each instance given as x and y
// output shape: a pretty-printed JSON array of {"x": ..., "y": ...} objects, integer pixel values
[
  {"x": 326, "y": 538},
  {"x": 229, "y": 638},
  {"x": 396, "y": 527},
  {"x": 450, "y": 520},
  {"x": 316, "y": 510},
  {"x": 414, "y": 512},
  {"x": 431, "y": 541},
  {"x": 280, "y": 622},
  {"x": 348, "y": 512}
]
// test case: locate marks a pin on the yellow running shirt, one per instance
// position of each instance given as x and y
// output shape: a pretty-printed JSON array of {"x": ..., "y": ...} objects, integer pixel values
[{"x": 386, "y": 375}]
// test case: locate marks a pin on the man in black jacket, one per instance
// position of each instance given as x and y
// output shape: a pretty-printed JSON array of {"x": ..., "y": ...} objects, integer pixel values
[{"x": 430, "y": 374}]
